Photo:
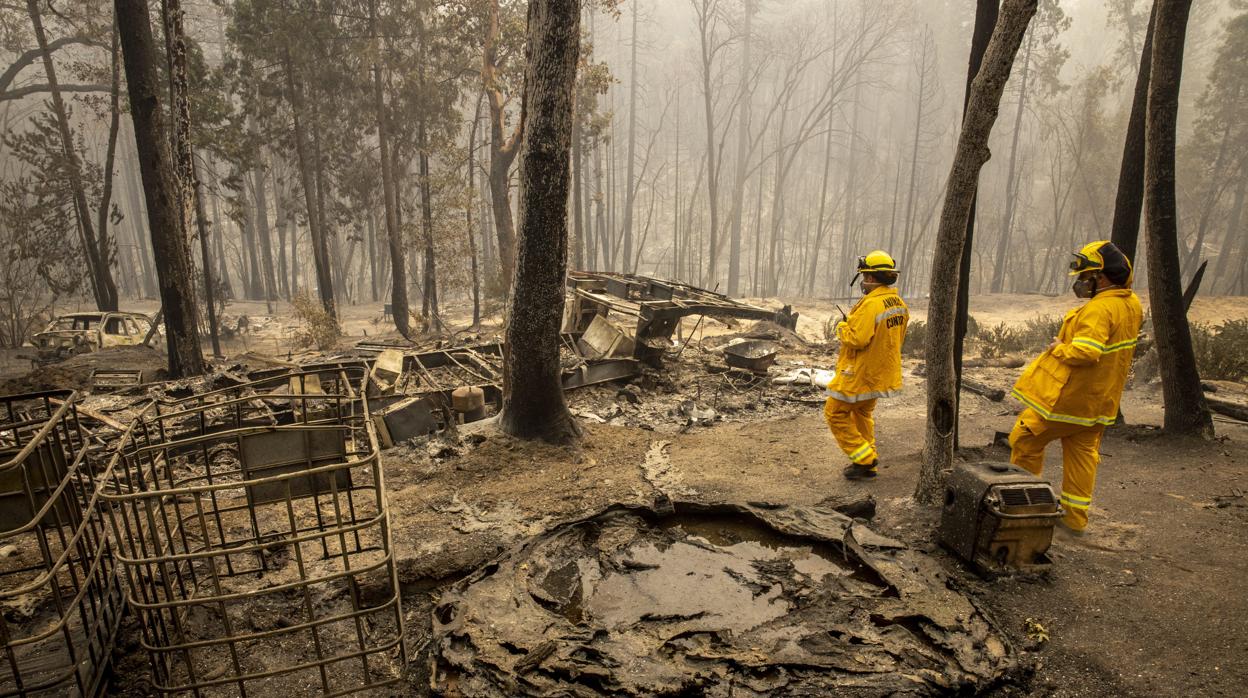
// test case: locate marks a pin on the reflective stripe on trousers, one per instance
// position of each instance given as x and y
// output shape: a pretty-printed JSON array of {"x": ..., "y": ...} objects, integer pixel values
[
  {"x": 1080, "y": 457},
  {"x": 853, "y": 427}
]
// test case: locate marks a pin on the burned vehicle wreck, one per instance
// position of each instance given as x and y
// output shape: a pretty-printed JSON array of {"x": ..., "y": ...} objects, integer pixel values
[{"x": 79, "y": 333}]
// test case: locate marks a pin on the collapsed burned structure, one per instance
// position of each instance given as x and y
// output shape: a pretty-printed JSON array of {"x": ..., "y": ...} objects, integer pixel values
[{"x": 652, "y": 309}]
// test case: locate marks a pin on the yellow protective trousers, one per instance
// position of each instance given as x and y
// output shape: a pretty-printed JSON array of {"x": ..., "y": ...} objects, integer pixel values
[
  {"x": 1080, "y": 456},
  {"x": 853, "y": 428}
]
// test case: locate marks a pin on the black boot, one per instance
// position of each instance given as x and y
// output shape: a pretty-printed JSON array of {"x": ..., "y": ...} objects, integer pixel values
[{"x": 853, "y": 471}]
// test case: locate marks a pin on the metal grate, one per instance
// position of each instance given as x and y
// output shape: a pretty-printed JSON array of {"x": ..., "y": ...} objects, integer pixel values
[
  {"x": 253, "y": 530},
  {"x": 60, "y": 597},
  {"x": 1014, "y": 496},
  {"x": 1040, "y": 495}
]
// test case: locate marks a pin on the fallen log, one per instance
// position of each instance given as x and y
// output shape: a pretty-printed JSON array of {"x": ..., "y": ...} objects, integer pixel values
[
  {"x": 1226, "y": 408},
  {"x": 994, "y": 394}
]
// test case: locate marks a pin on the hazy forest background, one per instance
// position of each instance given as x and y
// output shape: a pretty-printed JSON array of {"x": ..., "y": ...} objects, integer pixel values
[{"x": 753, "y": 146}]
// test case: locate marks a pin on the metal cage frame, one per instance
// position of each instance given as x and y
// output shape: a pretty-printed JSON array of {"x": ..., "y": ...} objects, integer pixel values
[
  {"x": 61, "y": 598},
  {"x": 253, "y": 518}
]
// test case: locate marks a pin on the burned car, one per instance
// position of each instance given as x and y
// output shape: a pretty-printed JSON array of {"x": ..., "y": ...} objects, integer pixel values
[{"x": 78, "y": 333}]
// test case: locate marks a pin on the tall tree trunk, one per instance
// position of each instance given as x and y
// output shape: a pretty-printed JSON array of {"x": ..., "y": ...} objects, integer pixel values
[
  {"x": 262, "y": 227},
  {"x": 578, "y": 174},
  {"x": 630, "y": 185},
  {"x": 102, "y": 285},
  {"x": 1185, "y": 408},
  {"x": 141, "y": 239},
  {"x": 1011, "y": 193},
  {"x": 985, "y": 24},
  {"x": 189, "y": 188},
  {"x": 398, "y": 290},
  {"x": 110, "y": 153},
  {"x": 1130, "y": 196},
  {"x": 743, "y": 139},
  {"x": 503, "y": 150},
  {"x": 533, "y": 402},
  {"x": 1233, "y": 232},
  {"x": 294, "y": 93},
  {"x": 426, "y": 218},
  {"x": 468, "y": 208},
  {"x": 809, "y": 284},
  {"x": 218, "y": 246},
  {"x": 210, "y": 299},
  {"x": 165, "y": 218},
  {"x": 972, "y": 152},
  {"x": 250, "y": 256},
  {"x": 712, "y": 164},
  {"x": 279, "y": 216},
  {"x": 908, "y": 222}
]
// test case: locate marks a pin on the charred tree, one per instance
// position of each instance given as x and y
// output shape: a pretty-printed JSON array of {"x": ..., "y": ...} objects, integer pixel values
[
  {"x": 190, "y": 191},
  {"x": 1130, "y": 197},
  {"x": 430, "y": 276},
  {"x": 389, "y": 195},
  {"x": 982, "y": 108},
  {"x": 166, "y": 222},
  {"x": 986, "y": 12},
  {"x": 307, "y": 177},
  {"x": 533, "y": 402},
  {"x": 1185, "y": 408},
  {"x": 95, "y": 249},
  {"x": 630, "y": 182}
]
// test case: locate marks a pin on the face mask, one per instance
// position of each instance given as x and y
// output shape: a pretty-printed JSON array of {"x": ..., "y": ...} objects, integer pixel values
[{"x": 1084, "y": 288}]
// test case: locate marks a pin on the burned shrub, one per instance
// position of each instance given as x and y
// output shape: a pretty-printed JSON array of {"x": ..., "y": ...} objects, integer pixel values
[{"x": 916, "y": 335}]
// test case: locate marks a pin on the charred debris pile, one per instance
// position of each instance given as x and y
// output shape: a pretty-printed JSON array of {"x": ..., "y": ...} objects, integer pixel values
[{"x": 241, "y": 521}]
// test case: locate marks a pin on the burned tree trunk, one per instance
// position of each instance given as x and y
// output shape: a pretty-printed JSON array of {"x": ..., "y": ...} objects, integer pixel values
[
  {"x": 189, "y": 188},
  {"x": 1130, "y": 196},
  {"x": 986, "y": 12},
  {"x": 398, "y": 289},
  {"x": 469, "y": 204},
  {"x": 294, "y": 93},
  {"x": 1185, "y": 408},
  {"x": 972, "y": 153},
  {"x": 166, "y": 221},
  {"x": 503, "y": 150},
  {"x": 533, "y": 403}
]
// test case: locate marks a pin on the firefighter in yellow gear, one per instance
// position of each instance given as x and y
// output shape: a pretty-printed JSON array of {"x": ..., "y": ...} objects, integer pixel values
[
  {"x": 869, "y": 364},
  {"x": 1071, "y": 391}
]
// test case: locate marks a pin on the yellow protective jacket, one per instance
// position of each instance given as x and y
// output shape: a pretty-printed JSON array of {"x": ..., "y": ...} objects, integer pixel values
[
  {"x": 869, "y": 365},
  {"x": 1080, "y": 380}
]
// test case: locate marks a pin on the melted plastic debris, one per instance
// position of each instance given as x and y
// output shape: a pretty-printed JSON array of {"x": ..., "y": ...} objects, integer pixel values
[{"x": 735, "y": 600}]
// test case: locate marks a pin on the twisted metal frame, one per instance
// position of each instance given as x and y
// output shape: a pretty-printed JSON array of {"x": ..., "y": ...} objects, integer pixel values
[
  {"x": 60, "y": 598},
  {"x": 253, "y": 519}
]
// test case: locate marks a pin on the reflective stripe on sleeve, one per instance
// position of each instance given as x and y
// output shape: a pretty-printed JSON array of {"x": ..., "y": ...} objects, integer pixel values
[{"x": 889, "y": 313}]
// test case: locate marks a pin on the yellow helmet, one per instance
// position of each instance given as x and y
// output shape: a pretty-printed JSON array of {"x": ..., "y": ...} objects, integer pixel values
[
  {"x": 877, "y": 260},
  {"x": 1105, "y": 257}
]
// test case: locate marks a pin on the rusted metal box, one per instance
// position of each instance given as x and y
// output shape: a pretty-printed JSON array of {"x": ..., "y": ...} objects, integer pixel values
[{"x": 998, "y": 517}]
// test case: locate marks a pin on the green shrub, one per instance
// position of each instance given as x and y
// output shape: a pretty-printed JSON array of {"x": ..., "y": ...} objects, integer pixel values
[
  {"x": 1031, "y": 337},
  {"x": 319, "y": 327},
  {"x": 1222, "y": 352}
]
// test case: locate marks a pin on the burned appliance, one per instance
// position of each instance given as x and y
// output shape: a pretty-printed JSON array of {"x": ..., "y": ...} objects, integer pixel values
[{"x": 998, "y": 517}]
